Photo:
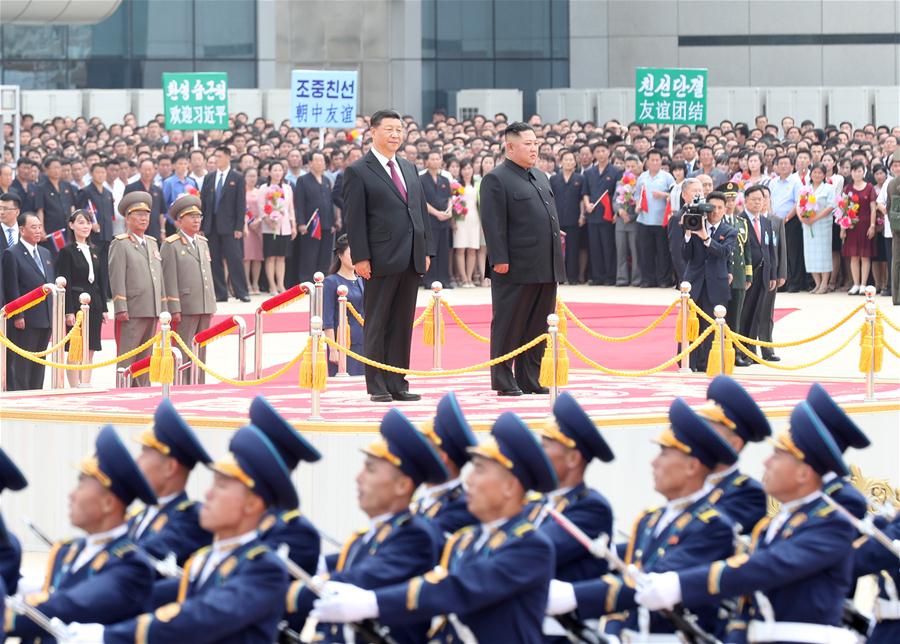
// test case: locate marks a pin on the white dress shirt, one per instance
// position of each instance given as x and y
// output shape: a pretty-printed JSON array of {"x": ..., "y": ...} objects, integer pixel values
[
  {"x": 85, "y": 250},
  {"x": 383, "y": 160},
  {"x": 785, "y": 513},
  {"x": 221, "y": 548},
  {"x": 716, "y": 477},
  {"x": 152, "y": 512},
  {"x": 430, "y": 495},
  {"x": 94, "y": 543},
  {"x": 15, "y": 233},
  {"x": 487, "y": 531},
  {"x": 676, "y": 507}
]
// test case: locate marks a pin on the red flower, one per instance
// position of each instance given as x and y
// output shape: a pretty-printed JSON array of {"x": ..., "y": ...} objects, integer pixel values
[
  {"x": 191, "y": 190},
  {"x": 267, "y": 209},
  {"x": 854, "y": 198}
]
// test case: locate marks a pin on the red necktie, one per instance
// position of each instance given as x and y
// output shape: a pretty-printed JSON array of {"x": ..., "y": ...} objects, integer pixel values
[
  {"x": 756, "y": 228},
  {"x": 396, "y": 179}
]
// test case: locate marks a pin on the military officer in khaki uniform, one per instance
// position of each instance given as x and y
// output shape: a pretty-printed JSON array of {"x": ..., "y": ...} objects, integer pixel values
[
  {"x": 740, "y": 264},
  {"x": 187, "y": 272},
  {"x": 136, "y": 280}
]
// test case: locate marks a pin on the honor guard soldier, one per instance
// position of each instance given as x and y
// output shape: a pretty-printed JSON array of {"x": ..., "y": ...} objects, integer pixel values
[
  {"x": 739, "y": 420},
  {"x": 397, "y": 545},
  {"x": 846, "y": 434},
  {"x": 103, "y": 577},
  {"x": 687, "y": 531},
  {"x": 187, "y": 272},
  {"x": 136, "y": 280},
  {"x": 740, "y": 264},
  {"x": 492, "y": 580},
  {"x": 797, "y": 572},
  {"x": 11, "y": 478},
  {"x": 444, "y": 504},
  {"x": 170, "y": 530},
  {"x": 871, "y": 557},
  {"x": 232, "y": 591},
  {"x": 282, "y": 527}
]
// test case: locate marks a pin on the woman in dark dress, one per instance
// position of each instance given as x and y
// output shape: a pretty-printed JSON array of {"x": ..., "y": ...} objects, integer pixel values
[
  {"x": 859, "y": 241},
  {"x": 342, "y": 273},
  {"x": 79, "y": 262}
]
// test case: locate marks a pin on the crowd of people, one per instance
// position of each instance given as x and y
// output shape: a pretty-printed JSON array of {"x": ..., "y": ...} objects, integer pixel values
[{"x": 812, "y": 206}]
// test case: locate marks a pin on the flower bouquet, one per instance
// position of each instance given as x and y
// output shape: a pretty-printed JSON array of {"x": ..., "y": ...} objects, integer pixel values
[
  {"x": 625, "y": 189},
  {"x": 458, "y": 201},
  {"x": 846, "y": 213},
  {"x": 274, "y": 203},
  {"x": 806, "y": 204}
]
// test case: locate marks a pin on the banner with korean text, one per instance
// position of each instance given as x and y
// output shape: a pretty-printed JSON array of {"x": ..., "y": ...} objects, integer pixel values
[
  {"x": 665, "y": 95},
  {"x": 196, "y": 101},
  {"x": 323, "y": 98}
]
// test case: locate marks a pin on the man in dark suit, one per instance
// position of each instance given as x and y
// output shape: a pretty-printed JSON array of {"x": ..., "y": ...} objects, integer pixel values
[
  {"x": 312, "y": 194},
  {"x": 706, "y": 253},
  {"x": 97, "y": 199},
  {"x": 780, "y": 272},
  {"x": 391, "y": 246},
  {"x": 23, "y": 185},
  {"x": 600, "y": 179},
  {"x": 521, "y": 229},
  {"x": 27, "y": 266},
  {"x": 54, "y": 201},
  {"x": 9, "y": 228},
  {"x": 224, "y": 209},
  {"x": 145, "y": 183},
  {"x": 762, "y": 252},
  {"x": 674, "y": 233}
]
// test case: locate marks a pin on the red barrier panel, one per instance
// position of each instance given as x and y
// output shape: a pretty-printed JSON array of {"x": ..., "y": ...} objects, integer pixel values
[
  {"x": 32, "y": 298},
  {"x": 138, "y": 367},
  {"x": 281, "y": 299},
  {"x": 222, "y": 328}
]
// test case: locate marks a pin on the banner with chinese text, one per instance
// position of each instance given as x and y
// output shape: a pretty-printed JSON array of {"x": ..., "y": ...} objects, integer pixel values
[
  {"x": 196, "y": 101},
  {"x": 323, "y": 98},
  {"x": 676, "y": 96}
]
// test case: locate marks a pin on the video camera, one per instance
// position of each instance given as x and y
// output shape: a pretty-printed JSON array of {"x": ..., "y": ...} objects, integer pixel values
[{"x": 694, "y": 214}]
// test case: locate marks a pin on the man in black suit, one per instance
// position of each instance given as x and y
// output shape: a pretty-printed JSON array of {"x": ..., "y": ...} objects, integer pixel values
[
  {"x": 224, "y": 210},
  {"x": 97, "y": 199},
  {"x": 23, "y": 185},
  {"x": 706, "y": 253},
  {"x": 27, "y": 266},
  {"x": 147, "y": 171},
  {"x": 521, "y": 229},
  {"x": 312, "y": 194},
  {"x": 391, "y": 247},
  {"x": 9, "y": 229},
  {"x": 762, "y": 254}
]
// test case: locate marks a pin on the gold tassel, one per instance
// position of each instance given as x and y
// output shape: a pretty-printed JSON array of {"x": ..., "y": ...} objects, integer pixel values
[
  {"x": 865, "y": 348},
  {"x": 166, "y": 364},
  {"x": 545, "y": 379},
  {"x": 713, "y": 368},
  {"x": 347, "y": 337},
  {"x": 320, "y": 377},
  {"x": 155, "y": 359},
  {"x": 562, "y": 367},
  {"x": 678, "y": 325},
  {"x": 76, "y": 346},
  {"x": 428, "y": 325},
  {"x": 561, "y": 314},
  {"x": 693, "y": 325},
  {"x": 306, "y": 375}
]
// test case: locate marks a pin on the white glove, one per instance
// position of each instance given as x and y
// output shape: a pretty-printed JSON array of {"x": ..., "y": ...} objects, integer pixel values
[
  {"x": 84, "y": 634},
  {"x": 561, "y": 598},
  {"x": 168, "y": 567},
  {"x": 343, "y": 603},
  {"x": 659, "y": 590}
]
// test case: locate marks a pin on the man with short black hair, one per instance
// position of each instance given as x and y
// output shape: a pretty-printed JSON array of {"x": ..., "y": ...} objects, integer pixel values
[
  {"x": 312, "y": 196},
  {"x": 54, "y": 201}
]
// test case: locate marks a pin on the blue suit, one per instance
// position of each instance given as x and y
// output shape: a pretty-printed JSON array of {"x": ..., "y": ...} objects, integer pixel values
[
  {"x": 842, "y": 491},
  {"x": 176, "y": 528},
  {"x": 401, "y": 549},
  {"x": 448, "y": 513},
  {"x": 590, "y": 511},
  {"x": 10, "y": 558},
  {"x": 240, "y": 602},
  {"x": 297, "y": 532},
  {"x": 113, "y": 586},
  {"x": 741, "y": 498},
  {"x": 700, "y": 534},
  {"x": 804, "y": 572},
  {"x": 499, "y": 591},
  {"x": 871, "y": 557}
]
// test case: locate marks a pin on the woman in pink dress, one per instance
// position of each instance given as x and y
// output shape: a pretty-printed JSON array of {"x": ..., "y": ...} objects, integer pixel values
[
  {"x": 859, "y": 241},
  {"x": 253, "y": 245},
  {"x": 279, "y": 227}
]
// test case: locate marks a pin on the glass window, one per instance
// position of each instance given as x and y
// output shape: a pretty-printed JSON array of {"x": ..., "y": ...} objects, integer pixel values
[
  {"x": 560, "y": 73},
  {"x": 241, "y": 74},
  {"x": 428, "y": 87},
  {"x": 100, "y": 73},
  {"x": 34, "y": 42},
  {"x": 528, "y": 76},
  {"x": 225, "y": 34},
  {"x": 36, "y": 74},
  {"x": 107, "y": 38},
  {"x": 559, "y": 28},
  {"x": 522, "y": 29},
  {"x": 428, "y": 28},
  {"x": 465, "y": 29},
  {"x": 162, "y": 28},
  {"x": 148, "y": 73}
]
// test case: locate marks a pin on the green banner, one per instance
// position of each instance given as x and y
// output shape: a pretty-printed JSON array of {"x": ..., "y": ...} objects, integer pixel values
[
  {"x": 196, "y": 101},
  {"x": 674, "y": 96}
]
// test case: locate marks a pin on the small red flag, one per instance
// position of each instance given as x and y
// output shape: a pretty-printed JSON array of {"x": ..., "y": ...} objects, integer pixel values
[
  {"x": 667, "y": 213},
  {"x": 645, "y": 207},
  {"x": 607, "y": 207},
  {"x": 58, "y": 238}
]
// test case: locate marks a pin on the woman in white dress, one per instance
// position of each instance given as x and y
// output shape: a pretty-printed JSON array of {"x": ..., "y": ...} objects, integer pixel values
[
  {"x": 467, "y": 229},
  {"x": 817, "y": 230}
]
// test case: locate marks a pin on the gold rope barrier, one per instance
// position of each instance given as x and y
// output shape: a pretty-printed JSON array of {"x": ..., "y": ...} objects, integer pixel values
[
  {"x": 752, "y": 355},
  {"x": 77, "y": 367},
  {"x": 231, "y": 381},
  {"x": 646, "y": 372},
  {"x": 625, "y": 338},
  {"x": 465, "y": 327},
  {"x": 887, "y": 320},
  {"x": 49, "y": 350},
  {"x": 891, "y": 349},
  {"x": 421, "y": 318},
  {"x": 447, "y": 372},
  {"x": 355, "y": 313}
]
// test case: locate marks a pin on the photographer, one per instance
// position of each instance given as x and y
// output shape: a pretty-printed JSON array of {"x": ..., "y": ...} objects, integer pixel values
[
  {"x": 707, "y": 246},
  {"x": 690, "y": 189}
]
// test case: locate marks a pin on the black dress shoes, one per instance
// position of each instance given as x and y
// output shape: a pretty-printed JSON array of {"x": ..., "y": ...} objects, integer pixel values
[
  {"x": 405, "y": 396},
  {"x": 771, "y": 358},
  {"x": 742, "y": 361},
  {"x": 381, "y": 398},
  {"x": 540, "y": 390},
  {"x": 509, "y": 392},
  {"x": 244, "y": 298}
]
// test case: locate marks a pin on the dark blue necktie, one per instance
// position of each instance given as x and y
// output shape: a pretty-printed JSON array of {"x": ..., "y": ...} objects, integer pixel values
[{"x": 219, "y": 185}]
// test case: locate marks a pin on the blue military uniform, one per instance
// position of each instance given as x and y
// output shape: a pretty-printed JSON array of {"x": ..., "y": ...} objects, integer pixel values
[
  {"x": 797, "y": 571},
  {"x": 287, "y": 526},
  {"x": 492, "y": 579},
  {"x": 735, "y": 494},
  {"x": 11, "y": 478},
  {"x": 113, "y": 584},
  {"x": 695, "y": 533},
  {"x": 400, "y": 547},
  {"x": 238, "y": 598},
  {"x": 174, "y": 527},
  {"x": 585, "y": 507},
  {"x": 445, "y": 505},
  {"x": 846, "y": 434},
  {"x": 870, "y": 557}
]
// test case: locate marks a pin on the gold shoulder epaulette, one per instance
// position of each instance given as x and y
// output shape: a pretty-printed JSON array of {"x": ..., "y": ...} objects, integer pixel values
[
  {"x": 150, "y": 237},
  {"x": 172, "y": 238},
  {"x": 184, "y": 505},
  {"x": 707, "y": 515},
  {"x": 257, "y": 551},
  {"x": 290, "y": 515},
  {"x": 122, "y": 236},
  {"x": 123, "y": 550},
  {"x": 740, "y": 480},
  {"x": 824, "y": 511},
  {"x": 133, "y": 512},
  {"x": 523, "y": 528},
  {"x": 201, "y": 236},
  {"x": 533, "y": 497}
]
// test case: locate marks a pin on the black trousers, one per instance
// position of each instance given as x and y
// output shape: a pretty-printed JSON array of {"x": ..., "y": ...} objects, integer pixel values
[
  {"x": 767, "y": 320},
  {"x": 520, "y": 315},
  {"x": 753, "y": 303},
  {"x": 440, "y": 263},
  {"x": 315, "y": 255},
  {"x": 574, "y": 243},
  {"x": 103, "y": 256},
  {"x": 225, "y": 249},
  {"x": 796, "y": 266},
  {"x": 700, "y": 356},
  {"x": 653, "y": 254},
  {"x": 21, "y": 373},
  {"x": 390, "y": 306},
  {"x": 735, "y": 308},
  {"x": 602, "y": 250}
]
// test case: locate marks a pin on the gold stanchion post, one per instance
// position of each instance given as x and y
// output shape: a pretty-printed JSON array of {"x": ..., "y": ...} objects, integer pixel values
[
  {"x": 342, "y": 330},
  {"x": 685, "y": 314}
]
